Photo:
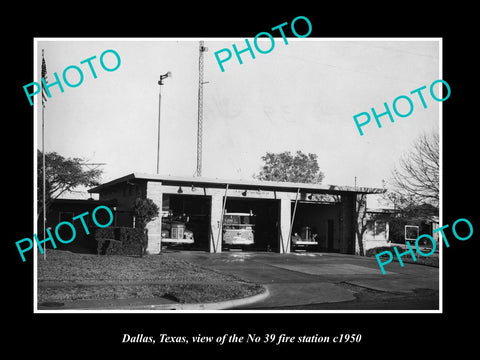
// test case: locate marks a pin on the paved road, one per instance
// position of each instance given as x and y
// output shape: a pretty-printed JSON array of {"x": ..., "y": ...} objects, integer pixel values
[{"x": 317, "y": 281}]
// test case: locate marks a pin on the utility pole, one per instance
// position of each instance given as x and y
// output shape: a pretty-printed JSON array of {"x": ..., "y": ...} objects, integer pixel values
[{"x": 201, "y": 49}]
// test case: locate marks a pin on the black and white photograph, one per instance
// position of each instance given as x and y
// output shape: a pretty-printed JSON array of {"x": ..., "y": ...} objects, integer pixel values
[
  {"x": 281, "y": 185},
  {"x": 284, "y": 182}
]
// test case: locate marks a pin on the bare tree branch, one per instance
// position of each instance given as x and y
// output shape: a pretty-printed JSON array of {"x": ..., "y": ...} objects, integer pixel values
[{"x": 417, "y": 175}]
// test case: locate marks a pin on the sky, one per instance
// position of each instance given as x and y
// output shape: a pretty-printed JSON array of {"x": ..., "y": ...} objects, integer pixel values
[{"x": 300, "y": 96}]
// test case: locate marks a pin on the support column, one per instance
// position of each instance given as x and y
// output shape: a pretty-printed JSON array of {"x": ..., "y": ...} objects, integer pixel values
[
  {"x": 154, "y": 227},
  {"x": 285, "y": 218},
  {"x": 215, "y": 218},
  {"x": 348, "y": 224}
]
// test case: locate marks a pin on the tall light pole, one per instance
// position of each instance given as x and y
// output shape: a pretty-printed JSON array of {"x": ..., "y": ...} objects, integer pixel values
[{"x": 168, "y": 74}]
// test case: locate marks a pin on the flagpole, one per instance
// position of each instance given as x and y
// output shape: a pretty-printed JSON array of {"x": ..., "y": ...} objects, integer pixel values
[{"x": 44, "y": 214}]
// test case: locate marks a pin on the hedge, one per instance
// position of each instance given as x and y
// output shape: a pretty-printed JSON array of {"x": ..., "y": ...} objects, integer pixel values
[
  {"x": 119, "y": 240},
  {"x": 109, "y": 247},
  {"x": 431, "y": 260},
  {"x": 376, "y": 250}
]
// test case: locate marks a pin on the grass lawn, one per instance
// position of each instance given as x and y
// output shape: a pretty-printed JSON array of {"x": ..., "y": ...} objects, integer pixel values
[{"x": 66, "y": 276}]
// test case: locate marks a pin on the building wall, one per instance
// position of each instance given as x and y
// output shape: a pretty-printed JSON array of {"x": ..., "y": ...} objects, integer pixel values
[
  {"x": 125, "y": 194},
  {"x": 344, "y": 214},
  {"x": 66, "y": 211},
  {"x": 155, "y": 190}
]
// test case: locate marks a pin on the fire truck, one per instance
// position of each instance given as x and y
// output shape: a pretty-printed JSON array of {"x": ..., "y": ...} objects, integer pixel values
[
  {"x": 174, "y": 229},
  {"x": 305, "y": 239},
  {"x": 238, "y": 229}
]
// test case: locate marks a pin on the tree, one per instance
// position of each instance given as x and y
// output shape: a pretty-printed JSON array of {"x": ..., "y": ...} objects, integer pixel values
[
  {"x": 62, "y": 175},
  {"x": 144, "y": 210},
  {"x": 286, "y": 167},
  {"x": 361, "y": 226},
  {"x": 416, "y": 178},
  {"x": 415, "y": 186}
]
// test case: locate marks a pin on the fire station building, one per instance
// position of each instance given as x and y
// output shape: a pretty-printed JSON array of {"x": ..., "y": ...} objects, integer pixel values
[{"x": 336, "y": 214}]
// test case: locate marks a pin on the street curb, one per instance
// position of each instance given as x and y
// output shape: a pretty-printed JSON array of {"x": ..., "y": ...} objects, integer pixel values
[{"x": 221, "y": 305}]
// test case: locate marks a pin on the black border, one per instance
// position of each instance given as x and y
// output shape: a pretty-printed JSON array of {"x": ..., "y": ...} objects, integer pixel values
[{"x": 94, "y": 333}]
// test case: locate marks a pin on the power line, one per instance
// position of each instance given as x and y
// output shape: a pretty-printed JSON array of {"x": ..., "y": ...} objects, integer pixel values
[{"x": 92, "y": 164}]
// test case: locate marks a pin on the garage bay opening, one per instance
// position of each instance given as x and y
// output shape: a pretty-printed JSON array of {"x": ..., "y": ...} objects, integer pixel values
[
  {"x": 316, "y": 226},
  {"x": 250, "y": 219},
  {"x": 186, "y": 221}
]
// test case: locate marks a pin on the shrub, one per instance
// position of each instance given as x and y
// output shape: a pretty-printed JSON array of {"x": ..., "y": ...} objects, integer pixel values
[
  {"x": 145, "y": 210},
  {"x": 119, "y": 240},
  {"x": 431, "y": 260},
  {"x": 376, "y": 250}
]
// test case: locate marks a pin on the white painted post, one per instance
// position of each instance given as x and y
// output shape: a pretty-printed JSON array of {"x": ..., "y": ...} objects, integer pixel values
[
  {"x": 285, "y": 218},
  {"x": 215, "y": 219},
  {"x": 154, "y": 192}
]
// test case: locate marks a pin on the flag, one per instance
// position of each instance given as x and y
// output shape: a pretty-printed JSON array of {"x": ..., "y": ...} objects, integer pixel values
[{"x": 44, "y": 76}]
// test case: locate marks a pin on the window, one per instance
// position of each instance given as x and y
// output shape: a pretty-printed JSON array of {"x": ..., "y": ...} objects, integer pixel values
[
  {"x": 231, "y": 219},
  {"x": 411, "y": 232},
  {"x": 371, "y": 226},
  {"x": 378, "y": 229}
]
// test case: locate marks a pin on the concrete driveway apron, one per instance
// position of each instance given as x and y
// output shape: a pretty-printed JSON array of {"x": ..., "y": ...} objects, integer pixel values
[{"x": 313, "y": 278}]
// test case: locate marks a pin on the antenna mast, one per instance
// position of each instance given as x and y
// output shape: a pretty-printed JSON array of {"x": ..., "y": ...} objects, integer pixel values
[{"x": 201, "y": 49}]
